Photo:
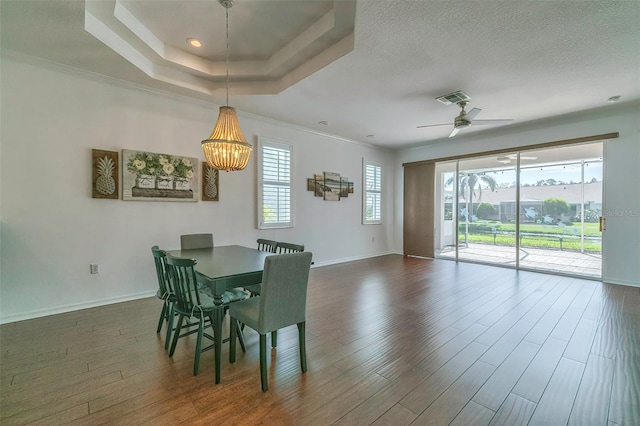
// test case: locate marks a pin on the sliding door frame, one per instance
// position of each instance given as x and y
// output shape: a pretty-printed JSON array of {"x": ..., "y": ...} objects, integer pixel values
[
  {"x": 584, "y": 139},
  {"x": 581, "y": 140}
]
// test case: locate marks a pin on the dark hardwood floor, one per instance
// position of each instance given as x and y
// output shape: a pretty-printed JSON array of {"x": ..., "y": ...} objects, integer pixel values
[{"x": 390, "y": 340}]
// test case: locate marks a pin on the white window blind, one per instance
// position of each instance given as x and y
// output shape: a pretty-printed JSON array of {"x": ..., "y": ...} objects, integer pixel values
[
  {"x": 372, "y": 204},
  {"x": 275, "y": 186}
]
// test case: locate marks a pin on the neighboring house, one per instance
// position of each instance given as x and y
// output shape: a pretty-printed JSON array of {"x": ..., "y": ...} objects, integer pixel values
[{"x": 532, "y": 199}]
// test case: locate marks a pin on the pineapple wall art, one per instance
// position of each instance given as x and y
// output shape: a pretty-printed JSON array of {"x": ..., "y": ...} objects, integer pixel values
[
  {"x": 150, "y": 176},
  {"x": 210, "y": 183},
  {"x": 105, "y": 174}
]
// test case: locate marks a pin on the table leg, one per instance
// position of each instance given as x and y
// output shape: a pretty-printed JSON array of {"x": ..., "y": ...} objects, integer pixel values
[{"x": 217, "y": 337}]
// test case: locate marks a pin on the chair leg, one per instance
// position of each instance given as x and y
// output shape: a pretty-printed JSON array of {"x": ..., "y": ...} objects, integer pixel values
[
  {"x": 240, "y": 335},
  {"x": 233, "y": 330},
  {"x": 196, "y": 361},
  {"x": 176, "y": 334},
  {"x": 263, "y": 362},
  {"x": 274, "y": 338},
  {"x": 169, "y": 327},
  {"x": 302, "y": 345},
  {"x": 163, "y": 315}
]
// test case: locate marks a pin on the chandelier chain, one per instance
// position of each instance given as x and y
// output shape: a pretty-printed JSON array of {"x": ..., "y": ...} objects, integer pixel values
[{"x": 226, "y": 9}]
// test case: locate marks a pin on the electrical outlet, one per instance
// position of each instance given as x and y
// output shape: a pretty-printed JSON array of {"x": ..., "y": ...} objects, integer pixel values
[{"x": 94, "y": 268}]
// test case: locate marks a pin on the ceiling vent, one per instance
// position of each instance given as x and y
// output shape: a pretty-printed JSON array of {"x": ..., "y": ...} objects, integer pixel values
[{"x": 454, "y": 98}]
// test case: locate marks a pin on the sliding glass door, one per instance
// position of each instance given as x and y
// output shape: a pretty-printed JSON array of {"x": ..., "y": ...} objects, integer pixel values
[
  {"x": 534, "y": 210},
  {"x": 486, "y": 233}
]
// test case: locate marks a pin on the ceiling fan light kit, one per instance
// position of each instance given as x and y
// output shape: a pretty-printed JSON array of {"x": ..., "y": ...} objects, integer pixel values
[
  {"x": 464, "y": 119},
  {"x": 226, "y": 148}
]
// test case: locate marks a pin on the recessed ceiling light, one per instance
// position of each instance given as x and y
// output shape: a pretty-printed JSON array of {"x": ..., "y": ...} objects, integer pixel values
[
  {"x": 613, "y": 99},
  {"x": 194, "y": 42},
  {"x": 323, "y": 122}
]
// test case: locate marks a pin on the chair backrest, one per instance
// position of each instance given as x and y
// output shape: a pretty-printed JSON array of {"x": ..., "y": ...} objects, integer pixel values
[
  {"x": 289, "y": 248},
  {"x": 182, "y": 276},
  {"x": 196, "y": 241},
  {"x": 267, "y": 245},
  {"x": 283, "y": 297},
  {"x": 160, "y": 258}
]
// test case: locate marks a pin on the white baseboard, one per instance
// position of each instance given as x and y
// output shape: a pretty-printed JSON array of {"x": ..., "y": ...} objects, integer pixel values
[
  {"x": 621, "y": 282},
  {"x": 351, "y": 259},
  {"x": 73, "y": 307}
]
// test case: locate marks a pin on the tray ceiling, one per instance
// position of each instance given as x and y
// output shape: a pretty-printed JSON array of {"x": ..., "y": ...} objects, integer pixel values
[{"x": 371, "y": 70}]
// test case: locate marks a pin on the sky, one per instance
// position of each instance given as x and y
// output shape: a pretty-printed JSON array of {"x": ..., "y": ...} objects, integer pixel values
[{"x": 533, "y": 174}]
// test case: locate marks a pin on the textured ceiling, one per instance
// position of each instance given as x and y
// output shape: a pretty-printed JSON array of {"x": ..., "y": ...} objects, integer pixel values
[{"x": 379, "y": 75}]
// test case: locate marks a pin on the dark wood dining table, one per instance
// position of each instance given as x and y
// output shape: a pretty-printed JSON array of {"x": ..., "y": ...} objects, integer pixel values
[{"x": 223, "y": 268}]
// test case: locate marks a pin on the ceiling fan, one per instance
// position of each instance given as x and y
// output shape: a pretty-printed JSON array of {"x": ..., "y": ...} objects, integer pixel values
[{"x": 465, "y": 118}]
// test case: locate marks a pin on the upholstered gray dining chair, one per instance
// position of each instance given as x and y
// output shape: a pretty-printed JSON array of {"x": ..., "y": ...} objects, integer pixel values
[
  {"x": 196, "y": 241},
  {"x": 281, "y": 303}
]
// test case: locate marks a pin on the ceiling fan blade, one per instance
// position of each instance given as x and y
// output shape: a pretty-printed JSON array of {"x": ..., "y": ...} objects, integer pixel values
[
  {"x": 522, "y": 157},
  {"x": 471, "y": 114},
  {"x": 485, "y": 122},
  {"x": 434, "y": 125},
  {"x": 454, "y": 132}
]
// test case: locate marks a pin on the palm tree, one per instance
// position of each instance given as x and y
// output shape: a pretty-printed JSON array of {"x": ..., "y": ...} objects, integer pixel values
[{"x": 470, "y": 185}]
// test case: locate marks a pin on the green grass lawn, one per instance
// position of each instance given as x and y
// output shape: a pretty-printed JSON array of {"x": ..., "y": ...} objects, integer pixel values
[
  {"x": 590, "y": 229},
  {"x": 536, "y": 236},
  {"x": 535, "y": 242}
]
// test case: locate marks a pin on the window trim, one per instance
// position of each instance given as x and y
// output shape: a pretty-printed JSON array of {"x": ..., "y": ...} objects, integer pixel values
[
  {"x": 273, "y": 143},
  {"x": 366, "y": 163}
]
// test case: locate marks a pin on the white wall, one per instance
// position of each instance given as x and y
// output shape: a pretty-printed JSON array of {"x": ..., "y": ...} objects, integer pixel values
[
  {"x": 621, "y": 240},
  {"x": 51, "y": 228}
]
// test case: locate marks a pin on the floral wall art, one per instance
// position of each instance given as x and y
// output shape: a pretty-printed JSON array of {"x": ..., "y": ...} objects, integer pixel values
[
  {"x": 105, "y": 174},
  {"x": 149, "y": 176}
]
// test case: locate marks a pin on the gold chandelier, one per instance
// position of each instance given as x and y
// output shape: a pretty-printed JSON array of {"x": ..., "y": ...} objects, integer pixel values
[{"x": 227, "y": 149}]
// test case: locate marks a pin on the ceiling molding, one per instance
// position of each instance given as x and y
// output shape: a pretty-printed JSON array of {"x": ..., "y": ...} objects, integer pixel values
[
  {"x": 324, "y": 41},
  {"x": 103, "y": 79}
]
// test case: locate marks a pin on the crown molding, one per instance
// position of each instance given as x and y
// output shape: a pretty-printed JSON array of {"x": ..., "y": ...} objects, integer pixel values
[{"x": 101, "y": 78}]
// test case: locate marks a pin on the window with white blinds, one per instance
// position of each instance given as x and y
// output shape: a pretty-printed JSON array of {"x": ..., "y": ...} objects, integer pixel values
[
  {"x": 274, "y": 187},
  {"x": 372, "y": 194}
]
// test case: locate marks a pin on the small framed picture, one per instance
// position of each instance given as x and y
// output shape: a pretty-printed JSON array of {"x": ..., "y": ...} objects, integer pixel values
[
  {"x": 344, "y": 187},
  {"x": 210, "y": 183},
  {"x": 332, "y": 186},
  {"x": 318, "y": 185},
  {"x": 106, "y": 174}
]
